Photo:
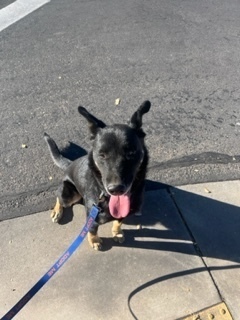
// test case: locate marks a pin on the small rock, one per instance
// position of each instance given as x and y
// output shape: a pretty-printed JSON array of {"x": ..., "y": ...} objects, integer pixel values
[{"x": 207, "y": 190}]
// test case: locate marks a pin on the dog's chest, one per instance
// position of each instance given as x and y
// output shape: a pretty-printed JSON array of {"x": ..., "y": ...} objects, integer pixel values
[{"x": 104, "y": 215}]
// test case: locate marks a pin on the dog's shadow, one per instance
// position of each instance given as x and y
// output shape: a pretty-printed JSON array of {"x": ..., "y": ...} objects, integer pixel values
[
  {"x": 67, "y": 216},
  {"x": 184, "y": 222},
  {"x": 72, "y": 151},
  {"x": 175, "y": 220}
]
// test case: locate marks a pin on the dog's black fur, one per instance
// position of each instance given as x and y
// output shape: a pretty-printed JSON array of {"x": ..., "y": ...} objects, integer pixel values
[{"x": 116, "y": 165}]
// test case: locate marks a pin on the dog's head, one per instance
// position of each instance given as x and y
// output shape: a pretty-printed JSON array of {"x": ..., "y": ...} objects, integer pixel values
[{"x": 118, "y": 150}]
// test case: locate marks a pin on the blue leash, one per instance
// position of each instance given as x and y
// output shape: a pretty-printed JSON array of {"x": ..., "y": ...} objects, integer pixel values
[{"x": 58, "y": 264}]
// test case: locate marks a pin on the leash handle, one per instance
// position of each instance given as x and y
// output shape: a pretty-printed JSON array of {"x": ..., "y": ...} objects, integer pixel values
[{"x": 57, "y": 265}]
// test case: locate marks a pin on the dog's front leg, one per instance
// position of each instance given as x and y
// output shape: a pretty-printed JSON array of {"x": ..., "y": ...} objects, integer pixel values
[
  {"x": 118, "y": 234},
  {"x": 94, "y": 240}
]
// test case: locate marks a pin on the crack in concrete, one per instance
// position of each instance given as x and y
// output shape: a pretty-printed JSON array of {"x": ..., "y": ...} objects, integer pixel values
[{"x": 194, "y": 241}]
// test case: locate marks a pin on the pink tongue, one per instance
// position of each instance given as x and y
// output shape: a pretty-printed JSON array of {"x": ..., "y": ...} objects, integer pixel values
[{"x": 119, "y": 206}]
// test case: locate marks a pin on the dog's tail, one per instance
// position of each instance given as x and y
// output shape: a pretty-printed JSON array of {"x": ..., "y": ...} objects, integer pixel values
[{"x": 58, "y": 159}]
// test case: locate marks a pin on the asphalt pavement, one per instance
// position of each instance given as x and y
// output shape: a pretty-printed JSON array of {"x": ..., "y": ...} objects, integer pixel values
[
  {"x": 180, "y": 260},
  {"x": 181, "y": 55}
]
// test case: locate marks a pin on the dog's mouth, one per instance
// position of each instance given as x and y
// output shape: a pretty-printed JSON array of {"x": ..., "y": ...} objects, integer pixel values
[
  {"x": 119, "y": 205},
  {"x": 119, "y": 202}
]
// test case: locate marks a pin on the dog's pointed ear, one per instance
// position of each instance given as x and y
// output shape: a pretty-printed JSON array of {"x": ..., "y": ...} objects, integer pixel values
[
  {"x": 93, "y": 122},
  {"x": 136, "y": 119}
]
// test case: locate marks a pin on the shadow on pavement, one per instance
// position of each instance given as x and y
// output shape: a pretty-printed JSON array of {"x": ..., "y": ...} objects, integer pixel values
[
  {"x": 211, "y": 224},
  {"x": 169, "y": 277},
  {"x": 211, "y": 230},
  {"x": 72, "y": 151}
]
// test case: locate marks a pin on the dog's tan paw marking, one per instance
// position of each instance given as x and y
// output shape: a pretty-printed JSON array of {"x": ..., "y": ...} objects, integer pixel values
[
  {"x": 56, "y": 215},
  {"x": 119, "y": 237},
  {"x": 118, "y": 234},
  {"x": 57, "y": 212},
  {"x": 95, "y": 241}
]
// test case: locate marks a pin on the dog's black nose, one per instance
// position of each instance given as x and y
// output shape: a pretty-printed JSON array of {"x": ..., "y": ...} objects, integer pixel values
[{"x": 116, "y": 189}]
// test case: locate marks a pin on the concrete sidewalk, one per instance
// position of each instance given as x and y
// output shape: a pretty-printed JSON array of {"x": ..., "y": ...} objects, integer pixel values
[{"x": 183, "y": 259}]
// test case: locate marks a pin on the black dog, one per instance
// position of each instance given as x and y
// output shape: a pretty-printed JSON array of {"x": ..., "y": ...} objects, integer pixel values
[{"x": 112, "y": 175}]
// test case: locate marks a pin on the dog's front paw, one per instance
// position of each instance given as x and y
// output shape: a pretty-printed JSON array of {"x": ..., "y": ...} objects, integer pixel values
[
  {"x": 56, "y": 215},
  {"x": 118, "y": 236},
  {"x": 95, "y": 241},
  {"x": 57, "y": 212}
]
